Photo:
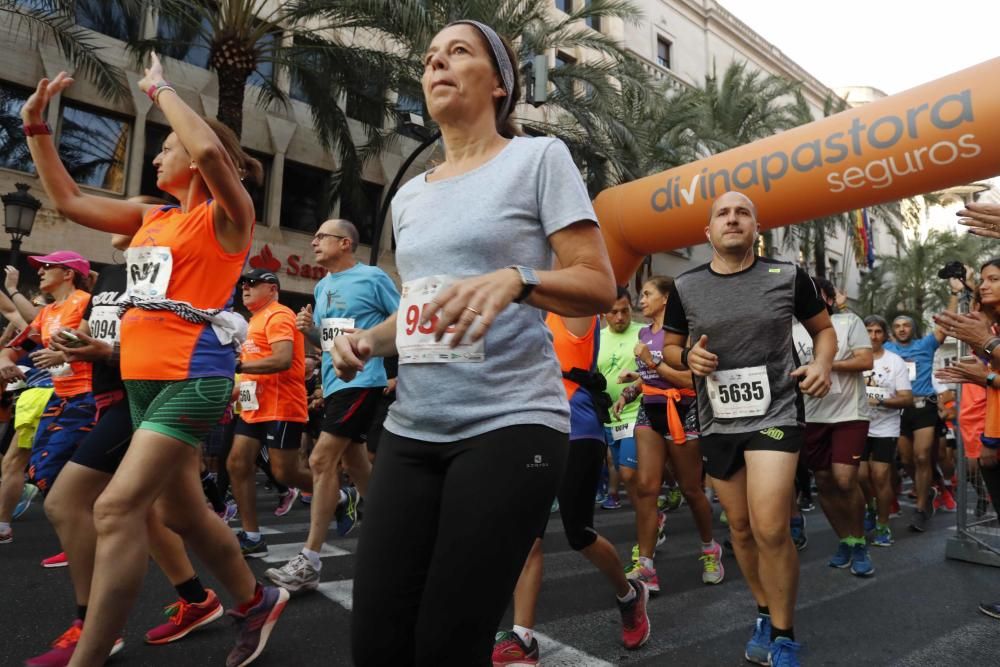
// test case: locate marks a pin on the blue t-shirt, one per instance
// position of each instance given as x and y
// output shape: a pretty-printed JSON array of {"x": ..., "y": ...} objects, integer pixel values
[
  {"x": 368, "y": 296},
  {"x": 583, "y": 420},
  {"x": 920, "y": 352}
]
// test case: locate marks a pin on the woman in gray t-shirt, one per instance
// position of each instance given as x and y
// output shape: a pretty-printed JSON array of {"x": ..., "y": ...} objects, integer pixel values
[{"x": 476, "y": 441}]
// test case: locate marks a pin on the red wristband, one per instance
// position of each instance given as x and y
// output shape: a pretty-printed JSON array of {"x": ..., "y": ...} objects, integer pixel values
[
  {"x": 156, "y": 87},
  {"x": 34, "y": 129}
]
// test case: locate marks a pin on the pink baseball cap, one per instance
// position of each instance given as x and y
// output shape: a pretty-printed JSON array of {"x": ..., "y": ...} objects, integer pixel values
[{"x": 67, "y": 258}]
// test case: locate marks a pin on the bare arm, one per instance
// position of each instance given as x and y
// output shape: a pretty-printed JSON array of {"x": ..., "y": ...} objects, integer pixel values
[
  {"x": 10, "y": 312},
  {"x": 104, "y": 213},
  {"x": 861, "y": 359},
  {"x": 280, "y": 360},
  {"x": 815, "y": 376},
  {"x": 351, "y": 351},
  {"x": 939, "y": 331}
]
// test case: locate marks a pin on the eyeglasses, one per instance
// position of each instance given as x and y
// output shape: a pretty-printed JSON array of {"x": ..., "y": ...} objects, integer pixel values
[{"x": 319, "y": 236}]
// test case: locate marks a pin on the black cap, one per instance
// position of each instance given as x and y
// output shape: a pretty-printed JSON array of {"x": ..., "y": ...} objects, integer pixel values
[{"x": 260, "y": 276}]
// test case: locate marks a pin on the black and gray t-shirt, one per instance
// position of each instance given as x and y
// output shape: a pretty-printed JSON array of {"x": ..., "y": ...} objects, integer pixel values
[
  {"x": 747, "y": 317},
  {"x": 102, "y": 316}
]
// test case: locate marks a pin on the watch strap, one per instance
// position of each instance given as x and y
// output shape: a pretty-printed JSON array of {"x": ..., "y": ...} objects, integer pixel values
[
  {"x": 990, "y": 377},
  {"x": 36, "y": 129},
  {"x": 991, "y": 345}
]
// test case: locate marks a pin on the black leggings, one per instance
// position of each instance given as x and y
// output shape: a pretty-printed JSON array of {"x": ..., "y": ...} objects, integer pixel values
[
  {"x": 576, "y": 493},
  {"x": 466, "y": 514}
]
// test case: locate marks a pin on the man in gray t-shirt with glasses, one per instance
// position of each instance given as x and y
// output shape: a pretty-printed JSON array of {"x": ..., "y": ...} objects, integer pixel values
[{"x": 738, "y": 311}]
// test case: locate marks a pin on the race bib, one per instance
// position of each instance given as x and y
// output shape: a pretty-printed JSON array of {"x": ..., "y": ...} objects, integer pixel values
[
  {"x": 911, "y": 370},
  {"x": 248, "y": 395},
  {"x": 149, "y": 269},
  {"x": 622, "y": 431},
  {"x": 61, "y": 371},
  {"x": 877, "y": 393},
  {"x": 104, "y": 323},
  {"x": 415, "y": 341},
  {"x": 739, "y": 392},
  {"x": 330, "y": 328}
]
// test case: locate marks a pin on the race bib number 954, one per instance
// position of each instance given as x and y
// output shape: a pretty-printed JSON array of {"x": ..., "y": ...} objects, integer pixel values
[
  {"x": 739, "y": 392},
  {"x": 415, "y": 341}
]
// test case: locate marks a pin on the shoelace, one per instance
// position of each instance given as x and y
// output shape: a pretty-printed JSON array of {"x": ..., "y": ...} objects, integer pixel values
[
  {"x": 176, "y": 611},
  {"x": 68, "y": 638},
  {"x": 710, "y": 562}
]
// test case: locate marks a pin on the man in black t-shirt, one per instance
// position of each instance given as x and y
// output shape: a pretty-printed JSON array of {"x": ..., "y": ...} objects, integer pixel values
[{"x": 738, "y": 310}]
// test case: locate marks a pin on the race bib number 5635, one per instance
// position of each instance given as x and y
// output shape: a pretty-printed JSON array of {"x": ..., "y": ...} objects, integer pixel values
[
  {"x": 415, "y": 341},
  {"x": 739, "y": 392}
]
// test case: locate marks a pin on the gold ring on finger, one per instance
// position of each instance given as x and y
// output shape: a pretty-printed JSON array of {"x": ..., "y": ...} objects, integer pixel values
[{"x": 472, "y": 310}]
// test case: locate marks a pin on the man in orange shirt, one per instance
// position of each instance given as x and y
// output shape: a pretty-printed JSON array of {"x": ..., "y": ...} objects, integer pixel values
[
  {"x": 70, "y": 412},
  {"x": 272, "y": 399}
]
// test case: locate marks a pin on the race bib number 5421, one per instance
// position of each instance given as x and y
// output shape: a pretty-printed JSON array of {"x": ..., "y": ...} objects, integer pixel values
[
  {"x": 415, "y": 341},
  {"x": 739, "y": 392}
]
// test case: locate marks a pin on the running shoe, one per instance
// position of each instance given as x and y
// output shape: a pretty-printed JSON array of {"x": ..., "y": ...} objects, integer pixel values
[
  {"x": 347, "y": 512},
  {"x": 306, "y": 498},
  {"x": 555, "y": 506},
  {"x": 7, "y": 536},
  {"x": 895, "y": 511},
  {"x": 758, "y": 649},
  {"x": 945, "y": 501},
  {"x": 59, "y": 560},
  {"x": 63, "y": 647},
  {"x": 635, "y": 556},
  {"x": 296, "y": 575},
  {"x": 883, "y": 537},
  {"x": 28, "y": 493},
  {"x": 600, "y": 498},
  {"x": 870, "y": 521},
  {"x": 674, "y": 498},
  {"x": 918, "y": 523},
  {"x": 255, "y": 626},
  {"x": 711, "y": 562},
  {"x": 990, "y": 609},
  {"x": 286, "y": 502},
  {"x": 806, "y": 504},
  {"x": 184, "y": 618},
  {"x": 842, "y": 558},
  {"x": 249, "y": 546},
  {"x": 635, "y": 620},
  {"x": 230, "y": 511},
  {"x": 932, "y": 497},
  {"x": 661, "y": 502},
  {"x": 785, "y": 652},
  {"x": 861, "y": 562},
  {"x": 611, "y": 503},
  {"x": 510, "y": 651},
  {"x": 723, "y": 518},
  {"x": 661, "y": 529},
  {"x": 646, "y": 575},
  {"x": 799, "y": 537}
]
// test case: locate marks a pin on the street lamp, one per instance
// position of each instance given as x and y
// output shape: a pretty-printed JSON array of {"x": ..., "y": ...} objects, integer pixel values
[{"x": 19, "y": 209}]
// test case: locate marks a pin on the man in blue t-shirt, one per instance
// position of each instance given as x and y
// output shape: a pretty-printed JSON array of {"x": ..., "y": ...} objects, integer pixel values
[
  {"x": 351, "y": 296},
  {"x": 919, "y": 424}
]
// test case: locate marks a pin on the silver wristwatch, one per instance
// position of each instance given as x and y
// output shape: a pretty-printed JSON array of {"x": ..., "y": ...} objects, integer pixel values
[{"x": 529, "y": 279}]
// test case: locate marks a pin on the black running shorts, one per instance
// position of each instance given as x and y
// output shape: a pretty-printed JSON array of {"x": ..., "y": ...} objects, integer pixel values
[{"x": 723, "y": 452}]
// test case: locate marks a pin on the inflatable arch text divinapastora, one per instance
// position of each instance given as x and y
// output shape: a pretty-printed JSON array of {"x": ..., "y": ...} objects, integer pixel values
[{"x": 943, "y": 133}]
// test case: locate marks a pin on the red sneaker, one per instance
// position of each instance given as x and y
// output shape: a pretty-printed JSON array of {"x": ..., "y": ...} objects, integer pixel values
[
  {"x": 894, "y": 511},
  {"x": 59, "y": 560},
  {"x": 510, "y": 651},
  {"x": 945, "y": 500},
  {"x": 635, "y": 620},
  {"x": 184, "y": 618},
  {"x": 62, "y": 648}
]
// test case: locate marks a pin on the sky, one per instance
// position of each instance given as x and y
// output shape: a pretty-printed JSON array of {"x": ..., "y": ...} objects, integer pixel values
[{"x": 892, "y": 45}]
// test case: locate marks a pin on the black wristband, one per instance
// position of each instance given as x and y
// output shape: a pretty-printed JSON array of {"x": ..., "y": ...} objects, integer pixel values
[
  {"x": 13, "y": 293},
  {"x": 684, "y": 357}
]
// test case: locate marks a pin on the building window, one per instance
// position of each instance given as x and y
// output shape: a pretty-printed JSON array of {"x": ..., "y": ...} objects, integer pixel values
[
  {"x": 663, "y": 52},
  {"x": 305, "y": 200},
  {"x": 13, "y": 147},
  {"x": 155, "y": 136},
  {"x": 564, "y": 5},
  {"x": 265, "y": 67},
  {"x": 188, "y": 42},
  {"x": 366, "y": 104},
  {"x": 309, "y": 63},
  {"x": 363, "y": 209},
  {"x": 593, "y": 22},
  {"x": 410, "y": 111},
  {"x": 94, "y": 147},
  {"x": 110, "y": 18},
  {"x": 563, "y": 84},
  {"x": 258, "y": 193}
]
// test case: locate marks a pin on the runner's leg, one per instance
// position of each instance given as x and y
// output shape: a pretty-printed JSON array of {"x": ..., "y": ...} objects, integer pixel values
[
  {"x": 242, "y": 467},
  {"x": 15, "y": 461},
  {"x": 648, "y": 479},
  {"x": 687, "y": 465},
  {"x": 324, "y": 462},
  {"x": 529, "y": 584},
  {"x": 732, "y": 494},
  {"x": 924, "y": 440}
]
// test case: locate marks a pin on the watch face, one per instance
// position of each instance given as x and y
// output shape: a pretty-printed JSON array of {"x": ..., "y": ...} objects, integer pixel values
[{"x": 528, "y": 275}]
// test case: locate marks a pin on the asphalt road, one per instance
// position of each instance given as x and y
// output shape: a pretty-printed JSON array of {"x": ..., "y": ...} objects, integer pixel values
[{"x": 918, "y": 609}]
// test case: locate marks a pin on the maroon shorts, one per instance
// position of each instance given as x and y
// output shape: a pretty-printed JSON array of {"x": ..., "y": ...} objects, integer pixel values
[{"x": 826, "y": 444}]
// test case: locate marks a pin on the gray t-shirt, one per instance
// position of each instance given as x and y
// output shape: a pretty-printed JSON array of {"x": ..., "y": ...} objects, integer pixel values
[
  {"x": 496, "y": 215},
  {"x": 847, "y": 400},
  {"x": 747, "y": 317}
]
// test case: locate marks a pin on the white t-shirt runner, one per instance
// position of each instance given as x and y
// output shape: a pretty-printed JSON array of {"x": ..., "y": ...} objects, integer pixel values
[
  {"x": 846, "y": 400},
  {"x": 888, "y": 377}
]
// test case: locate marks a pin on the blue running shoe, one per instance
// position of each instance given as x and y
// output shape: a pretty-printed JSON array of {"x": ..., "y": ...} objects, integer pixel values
[
  {"x": 861, "y": 562},
  {"x": 870, "y": 520},
  {"x": 347, "y": 512},
  {"x": 883, "y": 537},
  {"x": 249, "y": 546},
  {"x": 28, "y": 493},
  {"x": 799, "y": 537},
  {"x": 785, "y": 652},
  {"x": 842, "y": 558},
  {"x": 759, "y": 647}
]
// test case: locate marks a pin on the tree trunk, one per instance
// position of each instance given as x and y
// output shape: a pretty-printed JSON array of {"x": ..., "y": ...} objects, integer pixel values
[{"x": 232, "y": 90}]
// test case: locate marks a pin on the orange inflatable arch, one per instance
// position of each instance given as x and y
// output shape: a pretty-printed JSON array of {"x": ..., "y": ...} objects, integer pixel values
[{"x": 943, "y": 133}]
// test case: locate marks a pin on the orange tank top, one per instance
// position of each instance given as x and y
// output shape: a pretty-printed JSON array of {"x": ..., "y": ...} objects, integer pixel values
[
  {"x": 280, "y": 396},
  {"x": 176, "y": 255},
  {"x": 572, "y": 351},
  {"x": 66, "y": 314}
]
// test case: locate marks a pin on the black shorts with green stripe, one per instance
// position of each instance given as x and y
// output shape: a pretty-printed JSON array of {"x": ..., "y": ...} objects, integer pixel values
[{"x": 182, "y": 409}]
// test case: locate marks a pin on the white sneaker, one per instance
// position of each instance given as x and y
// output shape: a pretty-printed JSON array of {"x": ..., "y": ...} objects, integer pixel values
[{"x": 296, "y": 575}]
